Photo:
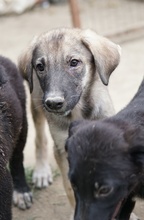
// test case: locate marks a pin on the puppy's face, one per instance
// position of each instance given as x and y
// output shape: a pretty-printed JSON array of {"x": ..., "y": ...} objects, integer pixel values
[
  {"x": 61, "y": 63},
  {"x": 67, "y": 62},
  {"x": 102, "y": 171}
]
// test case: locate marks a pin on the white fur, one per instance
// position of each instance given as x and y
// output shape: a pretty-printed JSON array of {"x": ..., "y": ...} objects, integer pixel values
[{"x": 22, "y": 200}]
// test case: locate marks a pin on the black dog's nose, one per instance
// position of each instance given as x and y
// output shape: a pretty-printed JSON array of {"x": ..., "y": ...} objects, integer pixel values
[{"x": 54, "y": 103}]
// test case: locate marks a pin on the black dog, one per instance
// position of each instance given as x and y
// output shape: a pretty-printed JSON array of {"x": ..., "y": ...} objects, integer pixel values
[
  {"x": 13, "y": 132},
  {"x": 106, "y": 160}
]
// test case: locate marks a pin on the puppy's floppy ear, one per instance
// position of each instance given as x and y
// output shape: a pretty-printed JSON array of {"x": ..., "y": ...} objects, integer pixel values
[
  {"x": 25, "y": 63},
  {"x": 106, "y": 53}
]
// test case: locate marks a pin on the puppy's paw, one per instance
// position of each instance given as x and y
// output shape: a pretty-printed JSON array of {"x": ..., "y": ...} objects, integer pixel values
[
  {"x": 42, "y": 176},
  {"x": 134, "y": 217},
  {"x": 22, "y": 200}
]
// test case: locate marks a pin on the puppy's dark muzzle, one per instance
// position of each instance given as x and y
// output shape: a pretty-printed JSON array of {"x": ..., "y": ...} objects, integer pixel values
[{"x": 54, "y": 104}]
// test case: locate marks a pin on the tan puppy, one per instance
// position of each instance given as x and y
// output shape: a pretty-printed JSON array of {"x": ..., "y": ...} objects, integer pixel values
[{"x": 67, "y": 70}]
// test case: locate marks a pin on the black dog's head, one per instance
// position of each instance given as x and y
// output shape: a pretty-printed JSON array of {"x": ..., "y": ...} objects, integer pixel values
[
  {"x": 65, "y": 62},
  {"x": 103, "y": 169}
]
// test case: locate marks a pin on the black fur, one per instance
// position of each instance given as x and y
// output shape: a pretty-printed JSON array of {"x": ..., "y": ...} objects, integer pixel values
[
  {"x": 13, "y": 132},
  {"x": 106, "y": 163}
]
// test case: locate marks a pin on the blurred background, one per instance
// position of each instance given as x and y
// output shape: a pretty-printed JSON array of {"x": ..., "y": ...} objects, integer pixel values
[{"x": 122, "y": 21}]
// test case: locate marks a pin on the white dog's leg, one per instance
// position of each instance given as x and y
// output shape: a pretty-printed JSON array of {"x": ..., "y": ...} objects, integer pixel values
[
  {"x": 63, "y": 165},
  {"x": 42, "y": 175}
]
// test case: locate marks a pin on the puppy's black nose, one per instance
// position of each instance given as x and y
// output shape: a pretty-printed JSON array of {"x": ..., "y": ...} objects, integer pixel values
[{"x": 54, "y": 103}]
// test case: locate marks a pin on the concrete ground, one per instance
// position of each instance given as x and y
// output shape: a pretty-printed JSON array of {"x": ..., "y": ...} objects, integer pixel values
[{"x": 17, "y": 31}]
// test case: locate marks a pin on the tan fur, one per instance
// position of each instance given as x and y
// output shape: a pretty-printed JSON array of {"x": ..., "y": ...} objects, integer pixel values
[{"x": 106, "y": 58}]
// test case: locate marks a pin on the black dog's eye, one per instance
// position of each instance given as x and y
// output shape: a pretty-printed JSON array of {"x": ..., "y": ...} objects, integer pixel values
[
  {"x": 40, "y": 67},
  {"x": 74, "y": 63},
  {"x": 103, "y": 191}
]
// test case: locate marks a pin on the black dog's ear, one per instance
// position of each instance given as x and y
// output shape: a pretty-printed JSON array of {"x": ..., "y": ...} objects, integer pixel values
[
  {"x": 137, "y": 155},
  {"x": 74, "y": 126}
]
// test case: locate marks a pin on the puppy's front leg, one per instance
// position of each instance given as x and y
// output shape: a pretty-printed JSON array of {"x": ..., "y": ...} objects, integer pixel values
[
  {"x": 63, "y": 165},
  {"x": 42, "y": 175}
]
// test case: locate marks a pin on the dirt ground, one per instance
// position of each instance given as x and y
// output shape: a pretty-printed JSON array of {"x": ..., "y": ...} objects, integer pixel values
[{"x": 107, "y": 17}]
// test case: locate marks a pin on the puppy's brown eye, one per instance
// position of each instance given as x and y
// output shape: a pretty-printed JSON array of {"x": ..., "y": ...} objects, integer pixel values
[
  {"x": 74, "y": 63},
  {"x": 40, "y": 67}
]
